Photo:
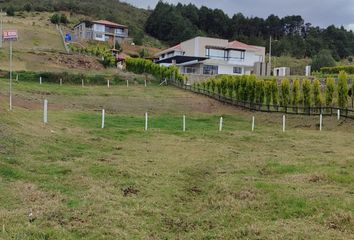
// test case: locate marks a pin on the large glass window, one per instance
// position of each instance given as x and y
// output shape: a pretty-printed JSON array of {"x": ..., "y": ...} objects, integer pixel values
[
  {"x": 98, "y": 28},
  {"x": 235, "y": 54},
  {"x": 215, "y": 53},
  {"x": 210, "y": 70}
]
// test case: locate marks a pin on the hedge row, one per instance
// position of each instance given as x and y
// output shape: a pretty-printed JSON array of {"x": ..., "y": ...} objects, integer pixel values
[
  {"x": 143, "y": 66},
  {"x": 68, "y": 78},
  {"x": 337, "y": 70},
  {"x": 297, "y": 93}
]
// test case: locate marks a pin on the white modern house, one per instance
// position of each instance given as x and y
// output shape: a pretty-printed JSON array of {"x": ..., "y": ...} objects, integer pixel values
[
  {"x": 212, "y": 56},
  {"x": 102, "y": 30}
]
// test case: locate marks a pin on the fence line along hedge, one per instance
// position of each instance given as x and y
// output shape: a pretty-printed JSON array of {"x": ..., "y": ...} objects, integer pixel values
[
  {"x": 143, "y": 66},
  {"x": 288, "y": 94}
]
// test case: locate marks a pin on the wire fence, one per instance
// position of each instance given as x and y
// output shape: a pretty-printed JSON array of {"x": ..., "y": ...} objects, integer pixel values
[{"x": 261, "y": 107}]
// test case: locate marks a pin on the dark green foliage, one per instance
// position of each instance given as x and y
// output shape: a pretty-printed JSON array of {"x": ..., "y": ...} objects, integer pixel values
[
  {"x": 330, "y": 88},
  {"x": 10, "y": 11},
  {"x": 28, "y": 7},
  {"x": 342, "y": 90},
  {"x": 323, "y": 59},
  {"x": 57, "y": 18},
  {"x": 138, "y": 38},
  {"x": 295, "y": 37},
  {"x": 251, "y": 89}
]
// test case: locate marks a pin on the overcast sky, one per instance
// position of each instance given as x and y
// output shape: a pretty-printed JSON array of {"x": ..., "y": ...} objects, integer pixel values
[{"x": 318, "y": 12}]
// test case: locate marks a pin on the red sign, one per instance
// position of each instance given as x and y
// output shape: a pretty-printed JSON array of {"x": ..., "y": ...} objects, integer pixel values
[{"x": 10, "y": 35}]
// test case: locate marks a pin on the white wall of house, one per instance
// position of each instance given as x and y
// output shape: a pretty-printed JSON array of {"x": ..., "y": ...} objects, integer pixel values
[{"x": 98, "y": 34}]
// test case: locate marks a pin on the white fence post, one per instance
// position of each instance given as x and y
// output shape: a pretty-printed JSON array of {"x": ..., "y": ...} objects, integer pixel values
[
  {"x": 145, "y": 83},
  {"x": 17, "y": 78},
  {"x": 146, "y": 121},
  {"x": 108, "y": 84},
  {"x": 321, "y": 121},
  {"x": 127, "y": 83},
  {"x": 253, "y": 123},
  {"x": 284, "y": 119},
  {"x": 221, "y": 124},
  {"x": 61, "y": 81},
  {"x": 103, "y": 118},
  {"x": 184, "y": 123},
  {"x": 40, "y": 80},
  {"x": 338, "y": 114},
  {"x": 82, "y": 83},
  {"x": 45, "y": 112}
]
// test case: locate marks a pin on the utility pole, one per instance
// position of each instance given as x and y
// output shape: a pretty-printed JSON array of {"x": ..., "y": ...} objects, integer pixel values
[
  {"x": 1, "y": 27},
  {"x": 10, "y": 85},
  {"x": 270, "y": 55}
]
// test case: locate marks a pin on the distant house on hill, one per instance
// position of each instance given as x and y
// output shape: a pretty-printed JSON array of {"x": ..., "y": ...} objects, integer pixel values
[
  {"x": 101, "y": 30},
  {"x": 212, "y": 56}
]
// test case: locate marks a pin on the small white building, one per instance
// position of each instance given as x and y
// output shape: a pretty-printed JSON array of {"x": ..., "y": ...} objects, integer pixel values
[
  {"x": 212, "y": 56},
  {"x": 281, "y": 72}
]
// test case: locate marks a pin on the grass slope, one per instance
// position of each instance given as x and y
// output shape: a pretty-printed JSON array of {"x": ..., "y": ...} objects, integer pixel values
[{"x": 83, "y": 182}]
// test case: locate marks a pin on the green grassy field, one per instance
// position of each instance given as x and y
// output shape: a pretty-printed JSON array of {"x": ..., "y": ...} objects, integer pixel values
[{"x": 83, "y": 182}]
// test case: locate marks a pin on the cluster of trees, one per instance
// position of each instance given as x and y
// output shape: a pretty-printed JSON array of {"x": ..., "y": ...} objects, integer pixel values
[
  {"x": 287, "y": 94},
  {"x": 57, "y": 18},
  {"x": 175, "y": 23},
  {"x": 335, "y": 70},
  {"x": 143, "y": 66}
]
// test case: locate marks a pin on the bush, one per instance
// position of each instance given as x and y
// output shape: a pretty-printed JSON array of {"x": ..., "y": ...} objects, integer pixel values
[
  {"x": 285, "y": 92},
  {"x": 295, "y": 92},
  {"x": 55, "y": 18},
  {"x": 268, "y": 92},
  {"x": 317, "y": 96},
  {"x": 27, "y": 7},
  {"x": 275, "y": 92},
  {"x": 330, "y": 88},
  {"x": 323, "y": 59},
  {"x": 259, "y": 93},
  {"x": 10, "y": 11},
  {"x": 251, "y": 89},
  {"x": 306, "y": 93},
  {"x": 342, "y": 89}
]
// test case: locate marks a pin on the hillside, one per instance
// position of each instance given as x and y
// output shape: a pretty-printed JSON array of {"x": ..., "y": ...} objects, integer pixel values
[{"x": 83, "y": 182}]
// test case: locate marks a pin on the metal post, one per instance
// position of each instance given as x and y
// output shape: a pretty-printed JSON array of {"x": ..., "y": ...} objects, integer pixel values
[
  {"x": 103, "y": 118},
  {"x": 253, "y": 123},
  {"x": 284, "y": 123},
  {"x": 45, "y": 112},
  {"x": 146, "y": 121},
  {"x": 10, "y": 85},
  {"x": 321, "y": 121},
  {"x": 184, "y": 123},
  {"x": 338, "y": 114},
  {"x": 221, "y": 124},
  {"x": 270, "y": 55}
]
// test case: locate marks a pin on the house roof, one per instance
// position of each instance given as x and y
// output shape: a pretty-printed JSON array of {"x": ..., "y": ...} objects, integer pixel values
[
  {"x": 108, "y": 23},
  {"x": 240, "y": 45},
  {"x": 174, "y": 48}
]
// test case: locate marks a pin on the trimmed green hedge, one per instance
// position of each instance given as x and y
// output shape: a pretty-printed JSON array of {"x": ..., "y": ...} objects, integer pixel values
[
  {"x": 68, "y": 78},
  {"x": 337, "y": 70}
]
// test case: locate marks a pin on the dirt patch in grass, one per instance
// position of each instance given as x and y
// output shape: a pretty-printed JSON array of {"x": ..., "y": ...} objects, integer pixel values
[
  {"x": 75, "y": 61},
  {"x": 130, "y": 191},
  {"x": 341, "y": 221}
]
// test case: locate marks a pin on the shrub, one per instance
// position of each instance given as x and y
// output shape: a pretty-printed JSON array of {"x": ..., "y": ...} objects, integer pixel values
[
  {"x": 55, "y": 18},
  {"x": 336, "y": 70},
  {"x": 285, "y": 92},
  {"x": 275, "y": 92},
  {"x": 323, "y": 59},
  {"x": 251, "y": 88},
  {"x": 342, "y": 89},
  {"x": 27, "y": 7},
  {"x": 295, "y": 92},
  {"x": 230, "y": 86},
  {"x": 268, "y": 92},
  {"x": 223, "y": 85},
  {"x": 259, "y": 93},
  {"x": 330, "y": 88},
  {"x": 10, "y": 11},
  {"x": 306, "y": 93},
  {"x": 317, "y": 96}
]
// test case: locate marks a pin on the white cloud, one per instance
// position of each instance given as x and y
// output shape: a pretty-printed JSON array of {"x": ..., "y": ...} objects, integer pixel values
[{"x": 350, "y": 26}]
